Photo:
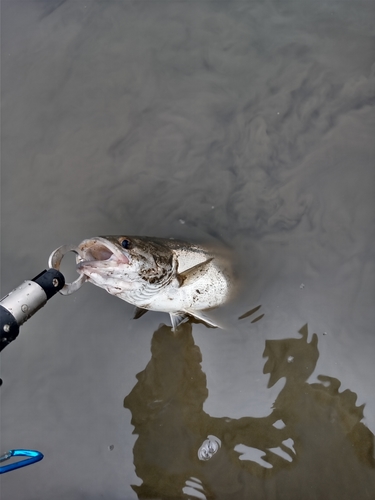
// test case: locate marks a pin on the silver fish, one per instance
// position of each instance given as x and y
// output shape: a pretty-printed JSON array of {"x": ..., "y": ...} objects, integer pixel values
[{"x": 156, "y": 274}]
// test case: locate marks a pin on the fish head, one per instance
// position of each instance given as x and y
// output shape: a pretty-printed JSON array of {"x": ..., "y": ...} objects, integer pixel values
[{"x": 121, "y": 264}]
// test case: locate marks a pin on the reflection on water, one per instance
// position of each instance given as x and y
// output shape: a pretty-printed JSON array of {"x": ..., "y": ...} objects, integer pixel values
[{"x": 312, "y": 442}]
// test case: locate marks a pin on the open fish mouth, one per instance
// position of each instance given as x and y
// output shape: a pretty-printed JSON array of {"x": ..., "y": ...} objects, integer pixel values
[{"x": 99, "y": 252}]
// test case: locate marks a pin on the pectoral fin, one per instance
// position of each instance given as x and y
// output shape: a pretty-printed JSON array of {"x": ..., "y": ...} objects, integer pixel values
[
  {"x": 202, "y": 318},
  {"x": 183, "y": 316},
  {"x": 191, "y": 275},
  {"x": 139, "y": 312},
  {"x": 177, "y": 319}
]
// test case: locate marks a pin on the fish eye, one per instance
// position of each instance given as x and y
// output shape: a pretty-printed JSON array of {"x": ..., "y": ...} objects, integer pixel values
[{"x": 125, "y": 243}]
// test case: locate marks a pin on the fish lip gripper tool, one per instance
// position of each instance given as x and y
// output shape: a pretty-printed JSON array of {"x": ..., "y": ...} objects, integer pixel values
[{"x": 16, "y": 308}]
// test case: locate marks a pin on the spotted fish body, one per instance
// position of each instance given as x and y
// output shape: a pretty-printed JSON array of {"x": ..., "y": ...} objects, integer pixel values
[{"x": 156, "y": 274}]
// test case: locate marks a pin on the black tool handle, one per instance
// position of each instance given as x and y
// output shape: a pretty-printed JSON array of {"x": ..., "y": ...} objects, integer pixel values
[{"x": 24, "y": 301}]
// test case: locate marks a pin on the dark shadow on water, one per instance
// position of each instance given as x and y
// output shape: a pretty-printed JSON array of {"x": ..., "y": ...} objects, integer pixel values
[{"x": 312, "y": 446}]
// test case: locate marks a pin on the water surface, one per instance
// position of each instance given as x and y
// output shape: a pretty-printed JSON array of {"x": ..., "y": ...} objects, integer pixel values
[{"x": 246, "y": 124}]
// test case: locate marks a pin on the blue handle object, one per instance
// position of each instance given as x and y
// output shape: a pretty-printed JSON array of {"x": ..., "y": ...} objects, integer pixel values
[{"x": 33, "y": 456}]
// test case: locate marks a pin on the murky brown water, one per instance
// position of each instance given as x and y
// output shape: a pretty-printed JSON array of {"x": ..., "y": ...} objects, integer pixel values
[{"x": 249, "y": 125}]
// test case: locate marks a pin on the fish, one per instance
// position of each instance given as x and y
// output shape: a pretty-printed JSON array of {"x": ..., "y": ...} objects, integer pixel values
[{"x": 158, "y": 274}]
